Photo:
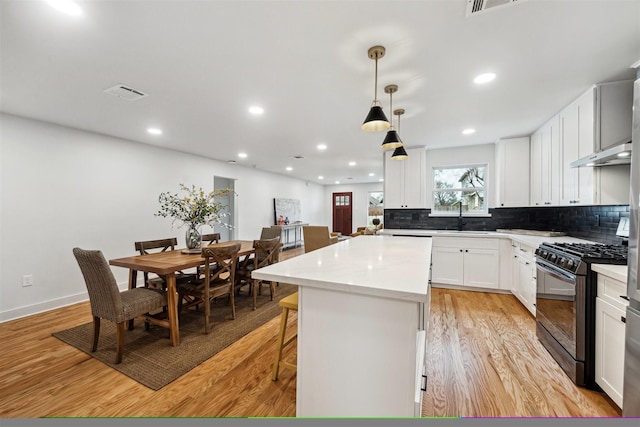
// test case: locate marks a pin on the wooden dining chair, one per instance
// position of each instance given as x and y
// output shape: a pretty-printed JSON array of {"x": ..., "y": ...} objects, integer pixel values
[
  {"x": 211, "y": 238},
  {"x": 224, "y": 256},
  {"x": 265, "y": 253},
  {"x": 160, "y": 245},
  {"x": 270, "y": 233},
  {"x": 108, "y": 302}
]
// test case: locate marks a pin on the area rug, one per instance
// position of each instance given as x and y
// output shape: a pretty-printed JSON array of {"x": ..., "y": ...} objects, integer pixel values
[{"x": 148, "y": 356}]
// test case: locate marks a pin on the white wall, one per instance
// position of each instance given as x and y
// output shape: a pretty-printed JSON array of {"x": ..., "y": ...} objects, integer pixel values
[
  {"x": 471, "y": 155},
  {"x": 62, "y": 188},
  {"x": 360, "y": 201}
]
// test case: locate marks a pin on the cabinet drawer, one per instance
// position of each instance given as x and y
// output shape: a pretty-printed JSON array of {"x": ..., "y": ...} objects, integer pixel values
[
  {"x": 611, "y": 291},
  {"x": 465, "y": 242}
]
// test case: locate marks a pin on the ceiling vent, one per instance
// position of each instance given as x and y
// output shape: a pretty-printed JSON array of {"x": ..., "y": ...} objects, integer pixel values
[
  {"x": 126, "y": 92},
  {"x": 477, "y": 6}
]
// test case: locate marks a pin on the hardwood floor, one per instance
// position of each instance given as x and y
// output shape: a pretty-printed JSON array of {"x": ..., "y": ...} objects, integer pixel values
[{"x": 483, "y": 360}]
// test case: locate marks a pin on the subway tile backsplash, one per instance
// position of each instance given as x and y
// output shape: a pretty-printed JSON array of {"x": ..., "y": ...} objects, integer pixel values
[{"x": 596, "y": 223}]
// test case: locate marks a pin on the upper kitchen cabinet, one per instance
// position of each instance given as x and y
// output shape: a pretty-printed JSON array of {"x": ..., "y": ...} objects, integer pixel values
[
  {"x": 513, "y": 172},
  {"x": 545, "y": 164},
  {"x": 405, "y": 180},
  {"x": 577, "y": 140},
  {"x": 599, "y": 119}
]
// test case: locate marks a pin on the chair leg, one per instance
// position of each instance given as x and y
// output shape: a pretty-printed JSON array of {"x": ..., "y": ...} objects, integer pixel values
[
  {"x": 233, "y": 303},
  {"x": 96, "y": 333},
  {"x": 207, "y": 314},
  {"x": 120, "y": 345},
  {"x": 283, "y": 328},
  {"x": 255, "y": 286}
]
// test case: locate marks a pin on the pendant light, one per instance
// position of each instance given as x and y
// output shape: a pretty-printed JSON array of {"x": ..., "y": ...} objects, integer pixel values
[
  {"x": 376, "y": 120},
  {"x": 399, "y": 153},
  {"x": 392, "y": 140}
]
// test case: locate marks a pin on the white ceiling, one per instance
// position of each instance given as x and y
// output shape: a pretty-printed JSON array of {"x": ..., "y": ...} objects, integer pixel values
[{"x": 203, "y": 63}]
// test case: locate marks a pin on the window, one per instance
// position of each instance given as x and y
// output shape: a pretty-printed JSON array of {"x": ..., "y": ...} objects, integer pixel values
[
  {"x": 375, "y": 208},
  {"x": 459, "y": 184}
]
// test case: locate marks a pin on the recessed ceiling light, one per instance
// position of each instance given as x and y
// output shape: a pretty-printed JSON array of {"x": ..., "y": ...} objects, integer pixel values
[
  {"x": 337, "y": 182},
  {"x": 154, "y": 131},
  {"x": 322, "y": 146},
  {"x": 256, "y": 110},
  {"x": 624, "y": 154},
  {"x": 289, "y": 168},
  {"x": 381, "y": 180},
  {"x": 468, "y": 131},
  {"x": 352, "y": 163},
  {"x": 321, "y": 177},
  {"x": 372, "y": 174},
  {"x": 242, "y": 155},
  {"x": 66, "y": 6},
  {"x": 590, "y": 164},
  {"x": 484, "y": 78}
]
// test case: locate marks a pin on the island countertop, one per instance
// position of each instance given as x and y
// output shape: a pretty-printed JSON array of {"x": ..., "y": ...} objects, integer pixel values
[{"x": 384, "y": 266}]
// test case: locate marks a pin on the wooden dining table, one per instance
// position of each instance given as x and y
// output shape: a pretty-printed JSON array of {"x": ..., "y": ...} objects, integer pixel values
[{"x": 166, "y": 264}]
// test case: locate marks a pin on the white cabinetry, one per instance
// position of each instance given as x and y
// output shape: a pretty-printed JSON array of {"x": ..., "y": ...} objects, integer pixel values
[
  {"x": 598, "y": 119},
  {"x": 545, "y": 164},
  {"x": 513, "y": 160},
  {"x": 523, "y": 275},
  {"x": 350, "y": 345},
  {"x": 471, "y": 262},
  {"x": 405, "y": 180},
  {"x": 610, "y": 336},
  {"x": 577, "y": 141}
]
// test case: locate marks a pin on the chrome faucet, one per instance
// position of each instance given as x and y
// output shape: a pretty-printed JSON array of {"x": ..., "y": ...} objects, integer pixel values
[{"x": 460, "y": 222}]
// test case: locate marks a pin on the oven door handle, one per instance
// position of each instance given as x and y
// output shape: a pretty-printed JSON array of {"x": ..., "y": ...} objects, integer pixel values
[{"x": 559, "y": 274}]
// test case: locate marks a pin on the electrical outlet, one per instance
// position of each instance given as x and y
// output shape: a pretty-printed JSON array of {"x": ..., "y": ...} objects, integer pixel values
[{"x": 27, "y": 280}]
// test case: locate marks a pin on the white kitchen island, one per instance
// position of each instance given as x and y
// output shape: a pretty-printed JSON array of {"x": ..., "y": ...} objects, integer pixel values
[{"x": 362, "y": 320}]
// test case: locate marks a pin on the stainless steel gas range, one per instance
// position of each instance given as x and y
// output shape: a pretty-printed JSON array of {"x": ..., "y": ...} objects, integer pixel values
[{"x": 565, "y": 303}]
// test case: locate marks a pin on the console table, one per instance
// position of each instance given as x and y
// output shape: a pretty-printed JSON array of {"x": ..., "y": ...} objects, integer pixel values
[{"x": 291, "y": 234}]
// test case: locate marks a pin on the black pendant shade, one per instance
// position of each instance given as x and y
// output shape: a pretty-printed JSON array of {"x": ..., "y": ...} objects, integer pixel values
[
  {"x": 392, "y": 140},
  {"x": 376, "y": 120},
  {"x": 399, "y": 154}
]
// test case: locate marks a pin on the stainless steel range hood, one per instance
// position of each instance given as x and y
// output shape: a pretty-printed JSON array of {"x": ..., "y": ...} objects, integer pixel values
[{"x": 616, "y": 155}]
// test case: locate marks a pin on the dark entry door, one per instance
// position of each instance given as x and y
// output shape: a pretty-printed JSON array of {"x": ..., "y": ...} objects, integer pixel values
[{"x": 342, "y": 203}]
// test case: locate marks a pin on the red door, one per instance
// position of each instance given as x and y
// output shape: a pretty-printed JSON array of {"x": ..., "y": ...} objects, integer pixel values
[{"x": 342, "y": 213}]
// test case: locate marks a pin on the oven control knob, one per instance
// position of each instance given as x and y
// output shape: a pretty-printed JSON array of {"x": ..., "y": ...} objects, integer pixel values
[
  {"x": 570, "y": 264},
  {"x": 561, "y": 261},
  {"x": 553, "y": 257}
]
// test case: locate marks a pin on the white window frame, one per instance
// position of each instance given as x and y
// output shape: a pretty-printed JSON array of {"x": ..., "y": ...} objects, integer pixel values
[{"x": 434, "y": 190}]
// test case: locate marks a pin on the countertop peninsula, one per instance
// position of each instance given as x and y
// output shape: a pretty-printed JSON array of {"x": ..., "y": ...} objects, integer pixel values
[
  {"x": 385, "y": 266},
  {"x": 363, "y": 312}
]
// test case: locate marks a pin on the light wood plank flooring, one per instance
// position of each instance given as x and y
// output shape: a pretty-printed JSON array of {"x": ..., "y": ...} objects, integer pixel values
[{"x": 483, "y": 360}]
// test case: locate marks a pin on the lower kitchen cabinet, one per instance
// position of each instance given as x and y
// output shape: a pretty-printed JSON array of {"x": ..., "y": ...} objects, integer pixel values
[
  {"x": 472, "y": 262},
  {"x": 523, "y": 275},
  {"x": 610, "y": 336}
]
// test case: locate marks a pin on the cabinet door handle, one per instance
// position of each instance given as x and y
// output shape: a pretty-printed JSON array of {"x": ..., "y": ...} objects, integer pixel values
[
  {"x": 623, "y": 319},
  {"x": 624, "y": 297},
  {"x": 460, "y": 250},
  {"x": 466, "y": 250},
  {"x": 424, "y": 381}
]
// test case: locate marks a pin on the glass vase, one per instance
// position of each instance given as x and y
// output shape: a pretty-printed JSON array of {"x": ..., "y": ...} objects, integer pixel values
[{"x": 193, "y": 236}]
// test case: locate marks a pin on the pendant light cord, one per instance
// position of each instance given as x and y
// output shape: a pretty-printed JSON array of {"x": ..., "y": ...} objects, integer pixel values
[{"x": 375, "y": 88}]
